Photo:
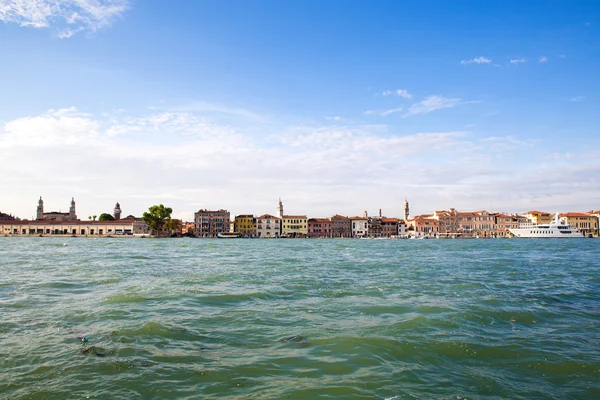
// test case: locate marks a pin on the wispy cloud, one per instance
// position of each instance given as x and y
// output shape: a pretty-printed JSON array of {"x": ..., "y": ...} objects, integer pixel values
[
  {"x": 543, "y": 59},
  {"x": 477, "y": 60},
  {"x": 400, "y": 93},
  {"x": 67, "y": 16},
  {"x": 433, "y": 103},
  {"x": 577, "y": 98},
  {"x": 392, "y": 111},
  {"x": 518, "y": 61}
]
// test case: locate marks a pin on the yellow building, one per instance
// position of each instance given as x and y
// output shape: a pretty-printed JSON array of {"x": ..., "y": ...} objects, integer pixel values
[
  {"x": 294, "y": 226},
  {"x": 586, "y": 223},
  {"x": 245, "y": 224},
  {"x": 539, "y": 217}
]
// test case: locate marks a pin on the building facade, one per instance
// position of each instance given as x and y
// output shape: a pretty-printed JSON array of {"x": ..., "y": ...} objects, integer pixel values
[
  {"x": 319, "y": 227},
  {"x": 245, "y": 225},
  {"x": 268, "y": 226},
  {"x": 389, "y": 226},
  {"x": 210, "y": 223},
  {"x": 127, "y": 226},
  {"x": 341, "y": 226},
  {"x": 585, "y": 222},
  {"x": 294, "y": 226},
  {"x": 360, "y": 226}
]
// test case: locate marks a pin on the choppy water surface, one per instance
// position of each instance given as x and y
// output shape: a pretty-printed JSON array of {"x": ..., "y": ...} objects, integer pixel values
[{"x": 299, "y": 319}]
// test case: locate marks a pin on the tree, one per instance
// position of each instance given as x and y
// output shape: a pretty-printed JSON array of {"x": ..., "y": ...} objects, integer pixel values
[
  {"x": 158, "y": 219},
  {"x": 94, "y": 216},
  {"x": 106, "y": 217}
]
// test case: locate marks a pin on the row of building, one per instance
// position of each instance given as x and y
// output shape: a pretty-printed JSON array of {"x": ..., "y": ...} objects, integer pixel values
[
  {"x": 207, "y": 223},
  {"x": 444, "y": 223},
  {"x": 59, "y": 223}
]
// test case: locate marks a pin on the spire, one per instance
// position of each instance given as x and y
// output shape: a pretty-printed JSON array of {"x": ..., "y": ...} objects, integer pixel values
[
  {"x": 40, "y": 209},
  {"x": 117, "y": 211},
  {"x": 280, "y": 209},
  {"x": 72, "y": 215}
]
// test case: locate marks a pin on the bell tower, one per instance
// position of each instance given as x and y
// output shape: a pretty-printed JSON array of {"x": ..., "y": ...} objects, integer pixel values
[
  {"x": 280, "y": 209},
  {"x": 117, "y": 212},
  {"x": 406, "y": 211},
  {"x": 72, "y": 215},
  {"x": 40, "y": 209}
]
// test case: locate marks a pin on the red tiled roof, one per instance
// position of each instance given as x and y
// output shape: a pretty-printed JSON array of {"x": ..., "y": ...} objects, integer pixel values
[
  {"x": 575, "y": 214},
  {"x": 295, "y": 216},
  {"x": 537, "y": 212},
  {"x": 268, "y": 216}
]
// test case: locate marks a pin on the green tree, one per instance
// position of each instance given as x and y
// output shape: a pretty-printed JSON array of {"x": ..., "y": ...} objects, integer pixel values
[
  {"x": 106, "y": 217},
  {"x": 158, "y": 219}
]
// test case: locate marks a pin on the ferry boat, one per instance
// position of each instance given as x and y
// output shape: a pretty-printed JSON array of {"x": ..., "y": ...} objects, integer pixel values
[
  {"x": 555, "y": 229},
  {"x": 229, "y": 235}
]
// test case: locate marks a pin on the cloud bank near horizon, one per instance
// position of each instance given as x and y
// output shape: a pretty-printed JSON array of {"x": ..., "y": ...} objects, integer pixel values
[{"x": 188, "y": 161}]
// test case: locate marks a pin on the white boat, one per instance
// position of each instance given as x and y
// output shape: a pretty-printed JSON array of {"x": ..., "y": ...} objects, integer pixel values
[
  {"x": 555, "y": 229},
  {"x": 228, "y": 235}
]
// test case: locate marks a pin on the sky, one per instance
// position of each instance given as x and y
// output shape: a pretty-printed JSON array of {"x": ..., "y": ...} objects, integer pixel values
[{"x": 336, "y": 106}]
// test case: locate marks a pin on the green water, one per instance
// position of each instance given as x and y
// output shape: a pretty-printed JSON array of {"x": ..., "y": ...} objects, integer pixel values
[{"x": 299, "y": 319}]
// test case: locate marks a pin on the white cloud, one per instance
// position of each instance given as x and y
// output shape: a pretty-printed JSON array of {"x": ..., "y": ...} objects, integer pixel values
[
  {"x": 433, "y": 103},
  {"x": 403, "y": 93},
  {"x": 477, "y": 60},
  {"x": 392, "y": 111},
  {"x": 67, "y": 16},
  {"x": 399, "y": 92},
  {"x": 188, "y": 161},
  {"x": 577, "y": 98},
  {"x": 518, "y": 61},
  {"x": 543, "y": 59}
]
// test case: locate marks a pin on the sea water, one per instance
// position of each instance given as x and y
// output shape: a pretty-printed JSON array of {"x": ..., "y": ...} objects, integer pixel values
[{"x": 128, "y": 318}]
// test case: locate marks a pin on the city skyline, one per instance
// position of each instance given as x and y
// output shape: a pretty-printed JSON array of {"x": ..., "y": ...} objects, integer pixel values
[{"x": 336, "y": 107}]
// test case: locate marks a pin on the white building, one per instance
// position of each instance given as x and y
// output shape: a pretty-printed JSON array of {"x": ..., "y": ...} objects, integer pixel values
[
  {"x": 268, "y": 226},
  {"x": 360, "y": 226}
]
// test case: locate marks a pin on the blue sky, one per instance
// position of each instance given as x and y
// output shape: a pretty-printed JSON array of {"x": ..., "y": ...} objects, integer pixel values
[{"x": 335, "y": 106}]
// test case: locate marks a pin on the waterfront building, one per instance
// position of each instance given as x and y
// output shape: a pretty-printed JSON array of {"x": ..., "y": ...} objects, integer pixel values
[
  {"x": 187, "y": 228},
  {"x": 360, "y": 226},
  {"x": 585, "y": 222},
  {"x": 448, "y": 221},
  {"x": 484, "y": 223},
  {"x": 596, "y": 213},
  {"x": 539, "y": 217},
  {"x": 425, "y": 224},
  {"x": 55, "y": 215},
  {"x": 245, "y": 225},
  {"x": 402, "y": 228},
  {"x": 126, "y": 226},
  {"x": 374, "y": 227},
  {"x": 268, "y": 226},
  {"x": 319, "y": 227},
  {"x": 504, "y": 222},
  {"x": 341, "y": 226},
  {"x": 294, "y": 226},
  {"x": 389, "y": 226},
  {"x": 209, "y": 223}
]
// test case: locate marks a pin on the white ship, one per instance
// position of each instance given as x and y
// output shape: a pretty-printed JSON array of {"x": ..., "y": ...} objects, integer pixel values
[{"x": 555, "y": 229}]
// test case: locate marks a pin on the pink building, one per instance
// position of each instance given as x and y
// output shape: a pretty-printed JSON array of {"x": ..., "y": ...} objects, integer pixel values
[{"x": 319, "y": 227}]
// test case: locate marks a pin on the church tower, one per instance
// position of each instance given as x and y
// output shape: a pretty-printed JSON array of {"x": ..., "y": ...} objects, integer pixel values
[
  {"x": 405, "y": 210},
  {"x": 117, "y": 212},
  {"x": 280, "y": 209},
  {"x": 40, "y": 209},
  {"x": 72, "y": 215}
]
